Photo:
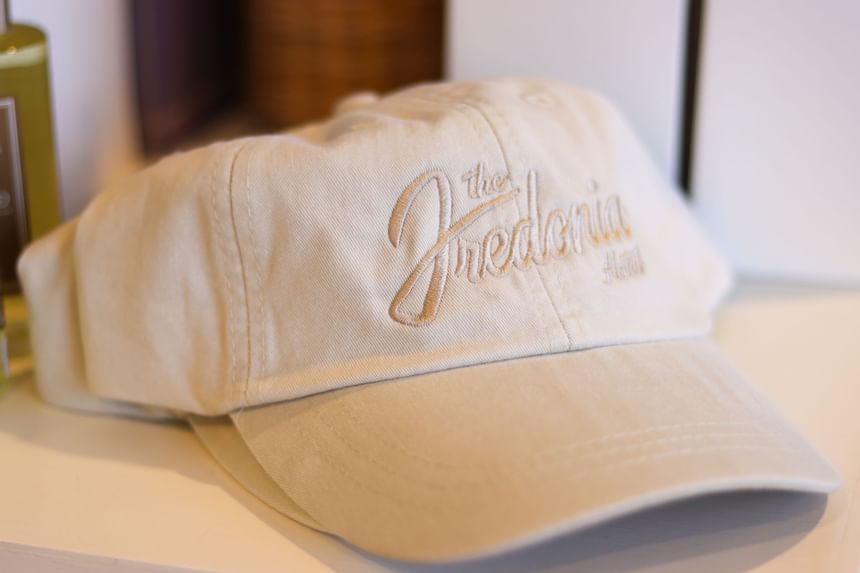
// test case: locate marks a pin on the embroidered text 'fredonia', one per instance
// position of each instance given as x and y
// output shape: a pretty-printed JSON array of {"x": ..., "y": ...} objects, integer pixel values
[{"x": 533, "y": 240}]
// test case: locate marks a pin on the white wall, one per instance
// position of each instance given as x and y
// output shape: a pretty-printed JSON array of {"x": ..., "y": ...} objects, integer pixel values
[
  {"x": 90, "y": 63},
  {"x": 630, "y": 50},
  {"x": 777, "y": 158}
]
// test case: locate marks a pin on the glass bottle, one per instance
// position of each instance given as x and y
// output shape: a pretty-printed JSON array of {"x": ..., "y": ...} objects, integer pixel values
[{"x": 29, "y": 201}]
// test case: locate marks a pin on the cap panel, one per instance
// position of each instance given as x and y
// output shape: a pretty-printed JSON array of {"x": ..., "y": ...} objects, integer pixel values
[
  {"x": 638, "y": 269},
  {"x": 159, "y": 289},
  {"x": 47, "y": 274}
]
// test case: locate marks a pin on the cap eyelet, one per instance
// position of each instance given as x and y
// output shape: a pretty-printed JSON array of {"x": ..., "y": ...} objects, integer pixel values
[{"x": 540, "y": 98}]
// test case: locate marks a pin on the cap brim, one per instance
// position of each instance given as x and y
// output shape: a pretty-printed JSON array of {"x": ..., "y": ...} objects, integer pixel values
[{"x": 478, "y": 460}]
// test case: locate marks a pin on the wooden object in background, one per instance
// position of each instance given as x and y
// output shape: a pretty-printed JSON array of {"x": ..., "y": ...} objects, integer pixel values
[{"x": 304, "y": 56}]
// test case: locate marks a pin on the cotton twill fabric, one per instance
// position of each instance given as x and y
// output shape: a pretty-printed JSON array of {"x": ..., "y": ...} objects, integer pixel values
[
  {"x": 265, "y": 269},
  {"x": 473, "y": 461}
]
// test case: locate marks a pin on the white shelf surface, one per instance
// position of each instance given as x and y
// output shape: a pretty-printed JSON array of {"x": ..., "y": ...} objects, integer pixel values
[{"x": 89, "y": 493}]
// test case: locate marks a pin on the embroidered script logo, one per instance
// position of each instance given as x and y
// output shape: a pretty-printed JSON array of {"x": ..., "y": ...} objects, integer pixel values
[{"x": 533, "y": 240}]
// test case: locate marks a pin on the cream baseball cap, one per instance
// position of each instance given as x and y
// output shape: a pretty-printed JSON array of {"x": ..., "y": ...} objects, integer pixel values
[{"x": 442, "y": 324}]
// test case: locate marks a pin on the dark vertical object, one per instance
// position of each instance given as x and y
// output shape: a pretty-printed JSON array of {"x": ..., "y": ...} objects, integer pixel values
[
  {"x": 186, "y": 59},
  {"x": 303, "y": 57},
  {"x": 695, "y": 12},
  {"x": 14, "y": 235}
]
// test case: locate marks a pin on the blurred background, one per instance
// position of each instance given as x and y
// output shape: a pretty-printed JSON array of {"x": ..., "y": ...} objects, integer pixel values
[{"x": 749, "y": 106}]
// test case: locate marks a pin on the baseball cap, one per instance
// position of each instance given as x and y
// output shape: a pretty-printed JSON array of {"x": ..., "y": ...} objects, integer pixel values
[{"x": 442, "y": 324}]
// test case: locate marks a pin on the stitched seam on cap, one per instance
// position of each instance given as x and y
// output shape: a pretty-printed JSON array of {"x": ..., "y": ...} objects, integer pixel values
[
  {"x": 231, "y": 195},
  {"x": 584, "y": 473},
  {"x": 261, "y": 366},
  {"x": 221, "y": 248},
  {"x": 574, "y": 110},
  {"x": 462, "y": 108},
  {"x": 390, "y": 440},
  {"x": 459, "y": 107},
  {"x": 443, "y": 100},
  {"x": 595, "y": 459},
  {"x": 540, "y": 270},
  {"x": 537, "y": 269}
]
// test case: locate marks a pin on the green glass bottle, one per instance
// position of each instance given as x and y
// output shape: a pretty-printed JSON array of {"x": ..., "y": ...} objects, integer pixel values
[{"x": 29, "y": 201}]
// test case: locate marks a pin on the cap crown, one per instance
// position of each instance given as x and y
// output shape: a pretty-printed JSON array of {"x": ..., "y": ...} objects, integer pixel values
[{"x": 442, "y": 226}]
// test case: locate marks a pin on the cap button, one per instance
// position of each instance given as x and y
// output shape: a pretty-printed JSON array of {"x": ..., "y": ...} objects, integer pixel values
[
  {"x": 355, "y": 101},
  {"x": 539, "y": 97}
]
